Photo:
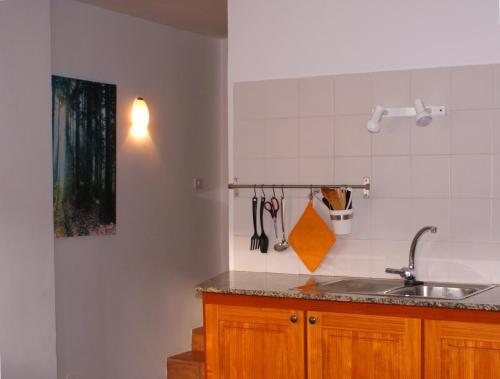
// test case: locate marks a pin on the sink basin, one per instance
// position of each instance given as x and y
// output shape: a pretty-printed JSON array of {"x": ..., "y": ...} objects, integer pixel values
[
  {"x": 394, "y": 287},
  {"x": 360, "y": 286},
  {"x": 440, "y": 291}
]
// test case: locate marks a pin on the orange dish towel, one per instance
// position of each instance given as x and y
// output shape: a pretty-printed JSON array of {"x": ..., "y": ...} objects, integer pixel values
[{"x": 311, "y": 238}]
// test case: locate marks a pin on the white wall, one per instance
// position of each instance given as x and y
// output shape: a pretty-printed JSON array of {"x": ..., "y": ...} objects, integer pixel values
[
  {"x": 294, "y": 38},
  {"x": 126, "y": 302},
  {"x": 27, "y": 313}
]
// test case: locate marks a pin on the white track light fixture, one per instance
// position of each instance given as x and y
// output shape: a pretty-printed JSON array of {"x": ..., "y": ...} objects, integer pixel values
[
  {"x": 373, "y": 124},
  {"x": 424, "y": 114},
  {"x": 424, "y": 117}
]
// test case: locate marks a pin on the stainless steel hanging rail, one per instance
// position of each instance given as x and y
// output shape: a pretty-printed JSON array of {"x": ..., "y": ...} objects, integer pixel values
[{"x": 365, "y": 186}]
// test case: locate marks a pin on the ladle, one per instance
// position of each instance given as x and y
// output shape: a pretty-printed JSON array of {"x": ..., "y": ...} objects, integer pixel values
[{"x": 283, "y": 244}]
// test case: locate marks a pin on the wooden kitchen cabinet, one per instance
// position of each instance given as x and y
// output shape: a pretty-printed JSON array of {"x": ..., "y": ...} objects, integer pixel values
[
  {"x": 254, "y": 343},
  {"x": 253, "y": 337},
  {"x": 354, "y": 346},
  {"x": 260, "y": 343},
  {"x": 461, "y": 350}
]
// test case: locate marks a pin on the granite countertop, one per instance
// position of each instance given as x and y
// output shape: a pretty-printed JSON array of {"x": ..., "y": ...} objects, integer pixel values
[{"x": 285, "y": 286}]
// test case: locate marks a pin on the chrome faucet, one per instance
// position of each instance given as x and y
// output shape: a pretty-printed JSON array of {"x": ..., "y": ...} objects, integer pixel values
[{"x": 408, "y": 273}]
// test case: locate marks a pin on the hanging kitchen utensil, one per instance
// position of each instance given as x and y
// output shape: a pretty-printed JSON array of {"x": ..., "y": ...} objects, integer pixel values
[
  {"x": 311, "y": 238},
  {"x": 341, "y": 193},
  {"x": 273, "y": 207},
  {"x": 283, "y": 244},
  {"x": 327, "y": 203},
  {"x": 263, "y": 240},
  {"x": 333, "y": 197},
  {"x": 254, "y": 241},
  {"x": 349, "y": 198}
]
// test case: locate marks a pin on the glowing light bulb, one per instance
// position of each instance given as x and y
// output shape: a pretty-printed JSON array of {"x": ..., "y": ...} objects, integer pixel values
[{"x": 140, "y": 118}]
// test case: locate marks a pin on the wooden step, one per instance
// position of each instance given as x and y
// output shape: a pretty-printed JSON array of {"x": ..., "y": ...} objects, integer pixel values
[
  {"x": 198, "y": 339},
  {"x": 188, "y": 365}
]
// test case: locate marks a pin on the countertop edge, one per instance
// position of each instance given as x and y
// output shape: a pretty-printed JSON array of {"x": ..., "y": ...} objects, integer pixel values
[
  {"x": 385, "y": 300},
  {"x": 242, "y": 285}
]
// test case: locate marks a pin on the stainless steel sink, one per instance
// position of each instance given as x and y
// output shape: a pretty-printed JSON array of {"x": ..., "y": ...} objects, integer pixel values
[
  {"x": 390, "y": 287},
  {"x": 440, "y": 291},
  {"x": 362, "y": 286}
]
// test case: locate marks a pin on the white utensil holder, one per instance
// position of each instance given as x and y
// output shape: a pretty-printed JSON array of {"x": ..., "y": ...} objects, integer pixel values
[{"x": 342, "y": 221}]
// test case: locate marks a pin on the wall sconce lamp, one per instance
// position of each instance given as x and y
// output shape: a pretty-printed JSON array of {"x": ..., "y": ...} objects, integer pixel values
[{"x": 140, "y": 118}]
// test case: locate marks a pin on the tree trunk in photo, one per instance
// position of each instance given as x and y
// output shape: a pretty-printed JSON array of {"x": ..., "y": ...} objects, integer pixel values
[{"x": 109, "y": 167}]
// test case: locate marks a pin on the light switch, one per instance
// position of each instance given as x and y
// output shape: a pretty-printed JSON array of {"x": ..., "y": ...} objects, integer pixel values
[{"x": 197, "y": 183}]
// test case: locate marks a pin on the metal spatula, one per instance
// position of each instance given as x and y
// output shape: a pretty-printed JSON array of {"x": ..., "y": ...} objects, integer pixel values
[{"x": 263, "y": 240}]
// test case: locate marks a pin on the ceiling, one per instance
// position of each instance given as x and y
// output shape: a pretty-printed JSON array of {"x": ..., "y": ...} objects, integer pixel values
[{"x": 207, "y": 17}]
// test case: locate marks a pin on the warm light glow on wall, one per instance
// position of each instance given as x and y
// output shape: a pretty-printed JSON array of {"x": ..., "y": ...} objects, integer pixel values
[{"x": 140, "y": 118}]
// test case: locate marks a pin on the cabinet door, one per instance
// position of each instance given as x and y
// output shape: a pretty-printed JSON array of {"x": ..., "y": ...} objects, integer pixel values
[
  {"x": 254, "y": 343},
  {"x": 352, "y": 346},
  {"x": 461, "y": 350}
]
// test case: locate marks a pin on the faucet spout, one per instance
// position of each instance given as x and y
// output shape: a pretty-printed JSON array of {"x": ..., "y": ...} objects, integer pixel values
[
  {"x": 408, "y": 273},
  {"x": 413, "y": 247}
]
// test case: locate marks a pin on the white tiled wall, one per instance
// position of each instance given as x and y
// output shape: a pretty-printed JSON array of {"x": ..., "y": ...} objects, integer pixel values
[{"x": 312, "y": 130}]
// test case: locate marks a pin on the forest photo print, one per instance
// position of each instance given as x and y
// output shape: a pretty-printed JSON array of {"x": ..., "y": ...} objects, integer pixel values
[{"x": 83, "y": 157}]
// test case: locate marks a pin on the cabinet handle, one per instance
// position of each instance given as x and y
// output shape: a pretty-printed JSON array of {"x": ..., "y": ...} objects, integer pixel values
[
  {"x": 312, "y": 320},
  {"x": 294, "y": 319}
]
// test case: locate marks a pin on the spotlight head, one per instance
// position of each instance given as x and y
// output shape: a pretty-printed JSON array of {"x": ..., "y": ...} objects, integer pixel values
[
  {"x": 424, "y": 117},
  {"x": 373, "y": 125}
]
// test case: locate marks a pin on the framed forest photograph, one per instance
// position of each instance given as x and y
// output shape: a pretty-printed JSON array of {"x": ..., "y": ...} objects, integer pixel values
[{"x": 83, "y": 157}]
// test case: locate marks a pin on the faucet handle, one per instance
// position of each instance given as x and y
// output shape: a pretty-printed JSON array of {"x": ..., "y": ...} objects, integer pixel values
[
  {"x": 405, "y": 272},
  {"x": 395, "y": 271}
]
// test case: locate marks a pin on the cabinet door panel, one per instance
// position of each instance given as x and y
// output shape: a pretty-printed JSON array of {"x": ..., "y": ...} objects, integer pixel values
[
  {"x": 461, "y": 350},
  {"x": 251, "y": 343},
  {"x": 347, "y": 346}
]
